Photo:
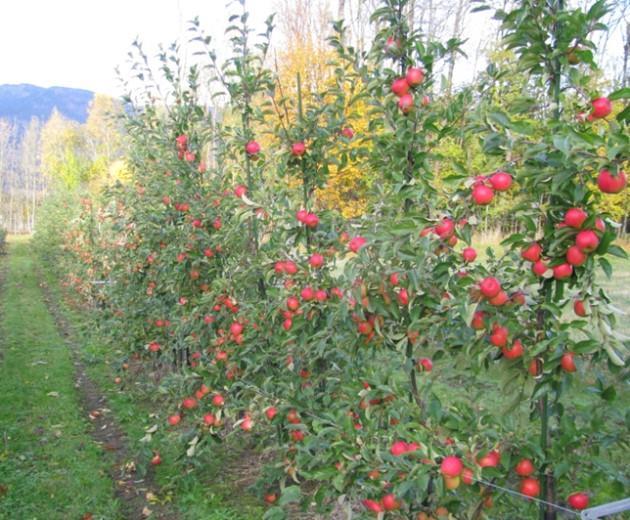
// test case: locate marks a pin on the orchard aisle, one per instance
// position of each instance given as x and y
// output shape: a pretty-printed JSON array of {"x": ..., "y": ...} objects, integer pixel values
[{"x": 50, "y": 467}]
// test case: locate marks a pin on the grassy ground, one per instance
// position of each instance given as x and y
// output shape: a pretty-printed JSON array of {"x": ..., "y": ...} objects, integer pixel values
[
  {"x": 49, "y": 466},
  {"x": 211, "y": 490}
]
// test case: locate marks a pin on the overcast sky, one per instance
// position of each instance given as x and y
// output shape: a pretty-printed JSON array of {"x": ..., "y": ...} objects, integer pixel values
[{"x": 78, "y": 43}]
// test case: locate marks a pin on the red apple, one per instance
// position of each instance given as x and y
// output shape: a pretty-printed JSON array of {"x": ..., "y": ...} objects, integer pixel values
[
  {"x": 490, "y": 287},
  {"x": 469, "y": 254},
  {"x": 316, "y": 261},
  {"x": 240, "y": 190},
  {"x": 174, "y": 420},
  {"x": 500, "y": 299},
  {"x": 578, "y": 501},
  {"x": 311, "y": 220},
  {"x": 499, "y": 336},
  {"x": 501, "y": 181},
  {"x": 578, "y": 308},
  {"x": 372, "y": 505},
  {"x": 482, "y": 195},
  {"x": 539, "y": 268},
  {"x": 601, "y": 107},
  {"x": 189, "y": 403},
  {"x": 356, "y": 244},
  {"x": 491, "y": 460},
  {"x": 587, "y": 240},
  {"x": 451, "y": 466},
  {"x": 389, "y": 502},
  {"x": 609, "y": 183},
  {"x": 218, "y": 400},
  {"x": 271, "y": 412},
  {"x": 405, "y": 103},
  {"x": 575, "y": 256},
  {"x": 525, "y": 468},
  {"x": 415, "y": 76},
  {"x": 532, "y": 252},
  {"x": 575, "y": 217},
  {"x": 252, "y": 148},
  {"x": 478, "y": 322},
  {"x": 426, "y": 364},
  {"x": 400, "y": 87},
  {"x": 347, "y": 132},
  {"x": 298, "y": 149},
  {"x": 445, "y": 228},
  {"x": 562, "y": 271},
  {"x": 530, "y": 487},
  {"x": 567, "y": 363},
  {"x": 515, "y": 351},
  {"x": 156, "y": 460}
]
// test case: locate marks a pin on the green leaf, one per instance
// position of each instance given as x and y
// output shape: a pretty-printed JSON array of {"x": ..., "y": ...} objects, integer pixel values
[
  {"x": 606, "y": 267},
  {"x": 622, "y": 93},
  {"x": 290, "y": 495}
]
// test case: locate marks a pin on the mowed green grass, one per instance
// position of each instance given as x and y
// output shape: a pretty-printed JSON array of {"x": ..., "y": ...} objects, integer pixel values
[
  {"x": 209, "y": 488},
  {"x": 49, "y": 466}
]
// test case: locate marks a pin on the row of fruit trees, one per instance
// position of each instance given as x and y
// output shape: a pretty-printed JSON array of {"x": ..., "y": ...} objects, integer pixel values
[{"x": 369, "y": 355}]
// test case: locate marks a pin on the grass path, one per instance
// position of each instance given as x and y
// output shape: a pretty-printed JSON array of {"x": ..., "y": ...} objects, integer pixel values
[{"x": 50, "y": 468}]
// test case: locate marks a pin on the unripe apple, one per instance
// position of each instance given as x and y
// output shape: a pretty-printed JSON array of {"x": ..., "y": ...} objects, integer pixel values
[
  {"x": 482, "y": 195},
  {"x": 601, "y": 107},
  {"x": 451, "y": 482}
]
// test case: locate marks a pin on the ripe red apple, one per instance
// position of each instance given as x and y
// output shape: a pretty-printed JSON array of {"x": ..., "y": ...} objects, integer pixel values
[
  {"x": 307, "y": 293},
  {"x": 445, "y": 228},
  {"x": 218, "y": 400},
  {"x": 400, "y": 87},
  {"x": 609, "y": 183},
  {"x": 403, "y": 297},
  {"x": 372, "y": 505},
  {"x": 578, "y": 308},
  {"x": 575, "y": 217},
  {"x": 252, "y": 148},
  {"x": 601, "y": 107},
  {"x": 469, "y": 254},
  {"x": 271, "y": 412},
  {"x": 587, "y": 240},
  {"x": 530, "y": 487},
  {"x": 500, "y": 299},
  {"x": 293, "y": 303},
  {"x": 467, "y": 476},
  {"x": 491, "y": 460},
  {"x": 398, "y": 448},
  {"x": 426, "y": 364},
  {"x": 287, "y": 324},
  {"x": 316, "y": 260},
  {"x": 535, "y": 367},
  {"x": 270, "y": 498},
  {"x": 389, "y": 502},
  {"x": 405, "y": 103},
  {"x": 525, "y": 468},
  {"x": 297, "y": 435},
  {"x": 499, "y": 336},
  {"x": 311, "y": 220},
  {"x": 347, "y": 132},
  {"x": 567, "y": 363},
  {"x": 578, "y": 501},
  {"x": 298, "y": 149},
  {"x": 451, "y": 466},
  {"x": 414, "y": 76},
  {"x": 174, "y": 420},
  {"x": 290, "y": 267},
  {"x": 478, "y": 322},
  {"x": 247, "y": 424},
  {"x": 575, "y": 256},
  {"x": 240, "y": 190},
  {"x": 189, "y": 403},
  {"x": 501, "y": 181},
  {"x": 490, "y": 287},
  {"x": 393, "y": 279},
  {"x": 515, "y": 351},
  {"x": 482, "y": 195},
  {"x": 154, "y": 346},
  {"x": 539, "y": 268},
  {"x": 301, "y": 215},
  {"x": 156, "y": 460},
  {"x": 425, "y": 101},
  {"x": 356, "y": 244},
  {"x": 532, "y": 252},
  {"x": 562, "y": 271}
]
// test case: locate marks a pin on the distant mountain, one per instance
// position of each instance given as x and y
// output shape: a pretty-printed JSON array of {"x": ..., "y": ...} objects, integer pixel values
[{"x": 22, "y": 102}]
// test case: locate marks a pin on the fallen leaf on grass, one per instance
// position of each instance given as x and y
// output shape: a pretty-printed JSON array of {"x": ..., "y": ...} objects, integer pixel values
[
  {"x": 53, "y": 394},
  {"x": 146, "y": 512}
]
